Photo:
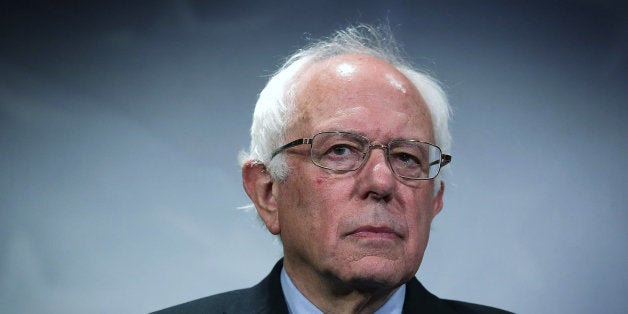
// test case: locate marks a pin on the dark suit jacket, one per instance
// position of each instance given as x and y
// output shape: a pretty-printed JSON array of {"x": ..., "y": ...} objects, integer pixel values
[{"x": 267, "y": 297}]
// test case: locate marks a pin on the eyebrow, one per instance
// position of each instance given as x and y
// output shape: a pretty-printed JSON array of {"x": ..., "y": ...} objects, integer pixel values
[{"x": 357, "y": 132}]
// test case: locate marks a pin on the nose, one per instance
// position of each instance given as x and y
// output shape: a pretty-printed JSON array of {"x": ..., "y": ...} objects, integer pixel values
[{"x": 377, "y": 178}]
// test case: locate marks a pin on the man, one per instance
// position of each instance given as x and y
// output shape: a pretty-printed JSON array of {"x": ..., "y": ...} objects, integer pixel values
[{"x": 347, "y": 147}]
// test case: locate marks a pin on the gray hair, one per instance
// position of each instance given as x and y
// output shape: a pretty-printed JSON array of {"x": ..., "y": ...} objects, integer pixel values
[{"x": 274, "y": 108}]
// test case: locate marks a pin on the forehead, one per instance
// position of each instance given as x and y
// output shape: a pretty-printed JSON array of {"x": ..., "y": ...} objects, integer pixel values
[{"x": 359, "y": 93}]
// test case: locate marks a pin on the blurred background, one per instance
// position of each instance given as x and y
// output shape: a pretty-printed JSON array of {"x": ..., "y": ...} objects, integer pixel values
[{"x": 120, "y": 125}]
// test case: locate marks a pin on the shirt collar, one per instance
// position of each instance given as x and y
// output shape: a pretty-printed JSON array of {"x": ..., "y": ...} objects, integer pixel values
[{"x": 298, "y": 303}]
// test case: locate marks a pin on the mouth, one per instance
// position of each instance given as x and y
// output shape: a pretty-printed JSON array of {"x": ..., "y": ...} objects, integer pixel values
[{"x": 374, "y": 232}]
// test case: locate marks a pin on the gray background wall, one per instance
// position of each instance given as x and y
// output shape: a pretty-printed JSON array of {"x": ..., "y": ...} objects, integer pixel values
[{"x": 120, "y": 125}]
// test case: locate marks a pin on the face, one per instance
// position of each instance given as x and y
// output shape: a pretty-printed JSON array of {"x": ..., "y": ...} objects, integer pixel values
[{"x": 366, "y": 228}]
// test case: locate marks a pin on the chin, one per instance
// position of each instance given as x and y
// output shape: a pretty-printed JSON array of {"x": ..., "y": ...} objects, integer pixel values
[
  {"x": 376, "y": 273},
  {"x": 377, "y": 282}
]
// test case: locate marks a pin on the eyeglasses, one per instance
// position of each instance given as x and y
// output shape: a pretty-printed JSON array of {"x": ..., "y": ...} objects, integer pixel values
[{"x": 343, "y": 151}]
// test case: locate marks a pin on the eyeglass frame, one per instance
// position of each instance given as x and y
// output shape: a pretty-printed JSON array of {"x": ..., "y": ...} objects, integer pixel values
[{"x": 443, "y": 161}]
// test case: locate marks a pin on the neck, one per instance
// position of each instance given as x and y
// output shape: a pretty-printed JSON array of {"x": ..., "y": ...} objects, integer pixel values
[{"x": 331, "y": 295}]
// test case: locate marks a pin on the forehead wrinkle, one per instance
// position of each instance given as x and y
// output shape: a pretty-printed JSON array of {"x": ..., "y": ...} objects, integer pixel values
[
  {"x": 309, "y": 94},
  {"x": 320, "y": 82}
]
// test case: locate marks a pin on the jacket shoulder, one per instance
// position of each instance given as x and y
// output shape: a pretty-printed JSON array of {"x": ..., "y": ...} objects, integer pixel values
[
  {"x": 472, "y": 308},
  {"x": 265, "y": 297},
  {"x": 237, "y": 301},
  {"x": 419, "y": 300}
]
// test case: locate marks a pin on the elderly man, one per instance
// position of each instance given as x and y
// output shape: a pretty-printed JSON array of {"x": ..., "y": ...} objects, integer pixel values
[{"x": 348, "y": 142}]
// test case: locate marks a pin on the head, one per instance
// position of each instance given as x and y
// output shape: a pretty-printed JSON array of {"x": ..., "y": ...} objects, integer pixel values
[
  {"x": 274, "y": 109},
  {"x": 363, "y": 229}
]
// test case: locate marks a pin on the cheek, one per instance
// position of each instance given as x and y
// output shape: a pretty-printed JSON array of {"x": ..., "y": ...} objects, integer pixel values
[
  {"x": 326, "y": 199},
  {"x": 308, "y": 201},
  {"x": 420, "y": 219}
]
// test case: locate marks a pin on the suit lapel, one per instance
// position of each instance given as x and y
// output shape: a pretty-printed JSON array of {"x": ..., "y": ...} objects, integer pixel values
[
  {"x": 419, "y": 300},
  {"x": 270, "y": 294}
]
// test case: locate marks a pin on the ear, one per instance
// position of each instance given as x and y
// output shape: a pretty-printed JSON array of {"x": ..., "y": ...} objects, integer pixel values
[
  {"x": 438, "y": 200},
  {"x": 259, "y": 187}
]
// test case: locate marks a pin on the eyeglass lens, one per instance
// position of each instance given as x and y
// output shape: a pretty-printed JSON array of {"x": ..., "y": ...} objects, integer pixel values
[{"x": 346, "y": 152}]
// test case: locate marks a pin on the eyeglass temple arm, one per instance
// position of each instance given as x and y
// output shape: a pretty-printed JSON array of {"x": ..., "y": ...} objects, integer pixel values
[
  {"x": 444, "y": 159},
  {"x": 294, "y": 143}
]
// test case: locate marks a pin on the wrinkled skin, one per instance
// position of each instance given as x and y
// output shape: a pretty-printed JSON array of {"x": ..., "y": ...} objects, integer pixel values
[{"x": 350, "y": 239}]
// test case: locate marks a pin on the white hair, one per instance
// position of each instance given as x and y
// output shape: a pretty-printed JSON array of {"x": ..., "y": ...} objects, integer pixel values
[{"x": 274, "y": 108}]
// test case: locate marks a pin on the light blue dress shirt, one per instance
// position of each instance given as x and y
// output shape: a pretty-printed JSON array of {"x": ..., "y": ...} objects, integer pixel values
[{"x": 299, "y": 304}]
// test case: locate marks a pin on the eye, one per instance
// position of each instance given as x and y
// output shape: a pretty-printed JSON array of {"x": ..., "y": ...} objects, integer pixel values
[
  {"x": 341, "y": 153},
  {"x": 340, "y": 150},
  {"x": 406, "y": 159}
]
